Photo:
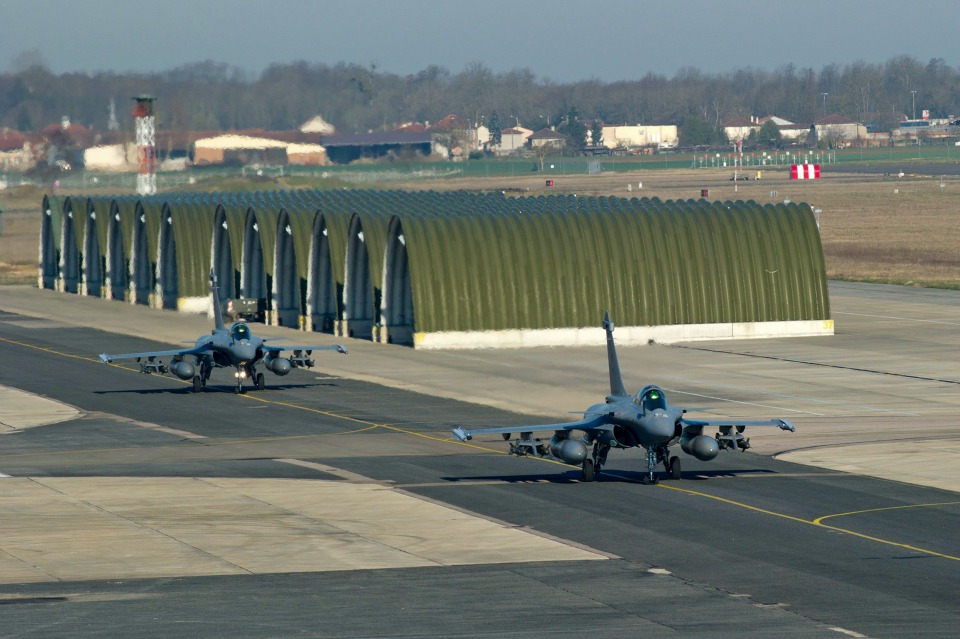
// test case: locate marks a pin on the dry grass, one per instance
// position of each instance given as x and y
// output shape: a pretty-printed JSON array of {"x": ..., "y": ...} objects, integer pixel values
[
  {"x": 869, "y": 231},
  {"x": 874, "y": 228},
  {"x": 20, "y": 239}
]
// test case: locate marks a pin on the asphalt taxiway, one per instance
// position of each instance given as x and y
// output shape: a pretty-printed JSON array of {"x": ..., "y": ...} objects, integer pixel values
[{"x": 335, "y": 503}]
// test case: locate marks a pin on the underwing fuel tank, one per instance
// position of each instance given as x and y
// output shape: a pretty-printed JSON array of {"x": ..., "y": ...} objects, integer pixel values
[
  {"x": 569, "y": 451},
  {"x": 702, "y": 447},
  {"x": 278, "y": 365},
  {"x": 184, "y": 370}
]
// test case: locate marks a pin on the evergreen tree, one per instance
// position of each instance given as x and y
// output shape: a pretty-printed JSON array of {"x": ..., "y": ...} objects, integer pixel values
[
  {"x": 496, "y": 128},
  {"x": 596, "y": 133},
  {"x": 574, "y": 129},
  {"x": 697, "y": 132},
  {"x": 769, "y": 134}
]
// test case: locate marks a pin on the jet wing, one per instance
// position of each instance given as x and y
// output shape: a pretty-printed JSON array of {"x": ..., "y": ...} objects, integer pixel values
[
  {"x": 783, "y": 424},
  {"x": 270, "y": 348},
  {"x": 196, "y": 350},
  {"x": 594, "y": 422}
]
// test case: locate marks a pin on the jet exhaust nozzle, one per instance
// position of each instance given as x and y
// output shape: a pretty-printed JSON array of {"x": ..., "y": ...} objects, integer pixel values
[{"x": 569, "y": 451}]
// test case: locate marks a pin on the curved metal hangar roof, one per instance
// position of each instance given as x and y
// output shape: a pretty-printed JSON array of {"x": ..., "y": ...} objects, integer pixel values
[{"x": 453, "y": 269}]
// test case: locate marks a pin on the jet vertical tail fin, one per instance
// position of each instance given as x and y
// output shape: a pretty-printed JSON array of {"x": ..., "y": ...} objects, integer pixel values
[
  {"x": 616, "y": 381},
  {"x": 215, "y": 294}
]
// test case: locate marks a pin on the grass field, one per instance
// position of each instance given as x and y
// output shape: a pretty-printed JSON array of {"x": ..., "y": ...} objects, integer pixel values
[{"x": 874, "y": 226}]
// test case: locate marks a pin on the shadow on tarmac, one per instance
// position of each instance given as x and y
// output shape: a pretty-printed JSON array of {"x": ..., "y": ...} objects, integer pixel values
[
  {"x": 613, "y": 476},
  {"x": 187, "y": 390}
]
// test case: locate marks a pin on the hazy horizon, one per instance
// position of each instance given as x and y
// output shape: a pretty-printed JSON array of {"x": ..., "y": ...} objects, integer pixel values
[{"x": 560, "y": 41}]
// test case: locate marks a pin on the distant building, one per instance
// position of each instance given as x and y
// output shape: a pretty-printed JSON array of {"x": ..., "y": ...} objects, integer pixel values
[
  {"x": 512, "y": 140},
  {"x": 546, "y": 138},
  {"x": 343, "y": 148},
  {"x": 740, "y": 128},
  {"x": 244, "y": 149},
  {"x": 453, "y": 137},
  {"x": 838, "y": 131},
  {"x": 795, "y": 133},
  {"x": 317, "y": 124},
  {"x": 111, "y": 157},
  {"x": 14, "y": 150},
  {"x": 633, "y": 136},
  {"x": 483, "y": 137}
]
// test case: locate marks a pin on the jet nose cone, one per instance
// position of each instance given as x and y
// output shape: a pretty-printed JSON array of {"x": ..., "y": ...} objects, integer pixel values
[
  {"x": 244, "y": 351},
  {"x": 660, "y": 427}
]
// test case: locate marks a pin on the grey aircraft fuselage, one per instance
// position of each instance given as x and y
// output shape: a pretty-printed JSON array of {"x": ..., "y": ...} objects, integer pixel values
[
  {"x": 645, "y": 420},
  {"x": 237, "y": 348}
]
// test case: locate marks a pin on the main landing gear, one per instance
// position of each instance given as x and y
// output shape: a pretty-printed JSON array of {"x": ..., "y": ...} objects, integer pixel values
[
  {"x": 200, "y": 381},
  {"x": 593, "y": 464}
]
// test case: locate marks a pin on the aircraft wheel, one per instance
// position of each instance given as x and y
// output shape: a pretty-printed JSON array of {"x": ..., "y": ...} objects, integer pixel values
[
  {"x": 197, "y": 384},
  {"x": 674, "y": 468},
  {"x": 259, "y": 381},
  {"x": 589, "y": 472}
]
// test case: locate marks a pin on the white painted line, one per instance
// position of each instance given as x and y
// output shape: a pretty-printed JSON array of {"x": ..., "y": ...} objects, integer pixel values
[
  {"x": 902, "y": 319},
  {"x": 337, "y": 472},
  {"x": 849, "y": 633},
  {"x": 734, "y": 401},
  {"x": 2, "y": 475},
  {"x": 659, "y": 571},
  {"x": 811, "y": 400}
]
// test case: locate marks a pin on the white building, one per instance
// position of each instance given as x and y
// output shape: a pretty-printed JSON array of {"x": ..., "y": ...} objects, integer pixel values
[
  {"x": 512, "y": 140},
  {"x": 619, "y": 136},
  {"x": 838, "y": 131},
  {"x": 111, "y": 157}
]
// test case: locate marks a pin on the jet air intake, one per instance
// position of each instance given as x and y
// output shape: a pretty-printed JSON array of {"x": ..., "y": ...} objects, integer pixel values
[{"x": 620, "y": 438}]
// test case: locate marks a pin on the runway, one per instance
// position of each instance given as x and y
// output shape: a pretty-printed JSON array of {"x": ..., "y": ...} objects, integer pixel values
[{"x": 331, "y": 505}]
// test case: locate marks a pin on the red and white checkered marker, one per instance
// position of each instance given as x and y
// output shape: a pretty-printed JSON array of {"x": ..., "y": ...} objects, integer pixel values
[{"x": 805, "y": 172}]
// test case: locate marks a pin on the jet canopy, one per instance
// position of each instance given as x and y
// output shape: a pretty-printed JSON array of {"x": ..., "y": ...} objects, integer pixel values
[
  {"x": 240, "y": 332},
  {"x": 651, "y": 398}
]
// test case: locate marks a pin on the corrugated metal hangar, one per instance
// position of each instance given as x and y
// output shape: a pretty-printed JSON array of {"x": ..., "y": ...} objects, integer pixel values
[{"x": 453, "y": 269}]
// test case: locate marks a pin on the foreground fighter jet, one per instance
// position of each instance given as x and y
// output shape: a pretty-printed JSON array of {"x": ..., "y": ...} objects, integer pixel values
[
  {"x": 646, "y": 420},
  {"x": 235, "y": 348}
]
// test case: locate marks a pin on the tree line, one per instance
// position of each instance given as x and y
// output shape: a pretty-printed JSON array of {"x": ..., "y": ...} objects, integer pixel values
[{"x": 208, "y": 96}]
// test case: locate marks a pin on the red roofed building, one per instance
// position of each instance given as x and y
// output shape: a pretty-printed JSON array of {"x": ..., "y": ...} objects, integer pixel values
[
  {"x": 14, "y": 150},
  {"x": 454, "y": 134}
]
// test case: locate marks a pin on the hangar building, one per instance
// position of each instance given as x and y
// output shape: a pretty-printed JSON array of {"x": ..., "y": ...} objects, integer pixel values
[{"x": 453, "y": 269}]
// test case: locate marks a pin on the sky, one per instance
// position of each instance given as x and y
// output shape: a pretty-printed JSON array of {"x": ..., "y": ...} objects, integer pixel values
[{"x": 558, "y": 40}]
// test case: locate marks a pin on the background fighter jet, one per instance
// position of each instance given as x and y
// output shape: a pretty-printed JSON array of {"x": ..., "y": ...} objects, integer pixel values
[
  {"x": 646, "y": 420},
  {"x": 235, "y": 348}
]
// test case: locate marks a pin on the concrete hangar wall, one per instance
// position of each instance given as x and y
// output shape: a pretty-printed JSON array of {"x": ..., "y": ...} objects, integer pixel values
[{"x": 453, "y": 269}]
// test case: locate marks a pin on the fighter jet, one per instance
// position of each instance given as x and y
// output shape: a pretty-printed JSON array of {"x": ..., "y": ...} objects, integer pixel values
[
  {"x": 645, "y": 420},
  {"x": 236, "y": 348}
]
